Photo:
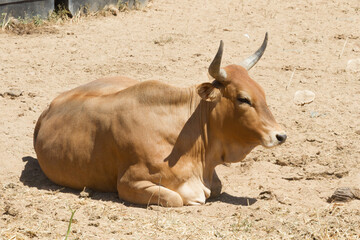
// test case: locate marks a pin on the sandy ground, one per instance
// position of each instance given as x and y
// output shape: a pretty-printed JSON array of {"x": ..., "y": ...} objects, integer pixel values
[{"x": 174, "y": 41}]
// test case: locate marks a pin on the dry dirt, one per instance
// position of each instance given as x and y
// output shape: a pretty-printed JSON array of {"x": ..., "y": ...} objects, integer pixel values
[{"x": 278, "y": 193}]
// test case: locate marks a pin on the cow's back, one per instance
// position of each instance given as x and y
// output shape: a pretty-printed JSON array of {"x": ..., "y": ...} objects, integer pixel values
[{"x": 71, "y": 138}]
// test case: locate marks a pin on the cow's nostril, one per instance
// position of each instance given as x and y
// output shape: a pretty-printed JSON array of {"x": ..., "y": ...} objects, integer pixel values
[{"x": 281, "y": 137}]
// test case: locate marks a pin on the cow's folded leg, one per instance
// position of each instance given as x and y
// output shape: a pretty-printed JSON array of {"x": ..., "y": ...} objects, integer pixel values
[{"x": 148, "y": 193}]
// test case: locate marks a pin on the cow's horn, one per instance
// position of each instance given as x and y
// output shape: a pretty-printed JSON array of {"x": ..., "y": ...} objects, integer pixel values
[
  {"x": 214, "y": 68},
  {"x": 253, "y": 59}
]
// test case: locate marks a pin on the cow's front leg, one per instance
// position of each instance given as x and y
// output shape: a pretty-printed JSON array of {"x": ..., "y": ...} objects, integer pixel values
[
  {"x": 147, "y": 193},
  {"x": 216, "y": 186},
  {"x": 193, "y": 191}
]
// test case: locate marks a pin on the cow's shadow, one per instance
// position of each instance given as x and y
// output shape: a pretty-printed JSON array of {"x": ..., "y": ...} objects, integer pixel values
[
  {"x": 33, "y": 176},
  {"x": 230, "y": 199}
]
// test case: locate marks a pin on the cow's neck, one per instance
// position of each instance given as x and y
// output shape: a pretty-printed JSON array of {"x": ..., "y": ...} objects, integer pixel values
[
  {"x": 200, "y": 139},
  {"x": 210, "y": 156},
  {"x": 204, "y": 150},
  {"x": 192, "y": 140}
]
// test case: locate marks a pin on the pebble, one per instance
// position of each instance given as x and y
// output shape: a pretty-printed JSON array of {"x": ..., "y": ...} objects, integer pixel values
[
  {"x": 85, "y": 193},
  {"x": 266, "y": 195},
  {"x": 9, "y": 210},
  {"x": 353, "y": 65},
  {"x": 12, "y": 93},
  {"x": 344, "y": 194},
  {"x": 304, "y": 97}
]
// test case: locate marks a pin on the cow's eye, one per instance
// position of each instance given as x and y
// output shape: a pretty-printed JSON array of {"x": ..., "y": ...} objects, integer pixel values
[{"x": 243, "y": 100}]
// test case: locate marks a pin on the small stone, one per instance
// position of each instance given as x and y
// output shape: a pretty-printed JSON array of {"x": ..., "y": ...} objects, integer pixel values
[
  {"x": 341, "y": 174},
  {"x": 303, "y": 97},
  {"x": 13, "y": 93},
  {"x": 10, "y": 185},
  {"x": 314, "y": 114},
  {"x": 95, "y": 224},
  {"x": 8, "y": 210},
  {"x": 294, "y": 177},
  {"x": 281, "y": 162},
  {"x": 353, "y": 65},
  {"x": 356, "y": 193},
  {"x": 114, "y": 10},
  {"x": 281, "y": 199},
  {"x": 32, "y": 95},
  {"x": 344, "y": 194},
  {"x": 113, "y": 217},
  {"x": 30, "y": 234},
  {"x": 85, "y": 193},
  {"x": 265, "y": 195},
  {"x": 72, "y": 50}
]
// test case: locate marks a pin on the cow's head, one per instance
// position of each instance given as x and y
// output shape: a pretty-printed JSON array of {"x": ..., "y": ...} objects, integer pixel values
[{"x": 241, "y": 113}]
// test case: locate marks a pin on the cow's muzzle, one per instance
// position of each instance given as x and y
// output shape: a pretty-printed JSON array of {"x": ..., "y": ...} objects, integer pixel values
[{"x": 273, "y": 139}]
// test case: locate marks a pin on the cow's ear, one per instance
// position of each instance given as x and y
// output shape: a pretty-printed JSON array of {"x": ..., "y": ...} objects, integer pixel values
[{"x": 208, "y": 92}]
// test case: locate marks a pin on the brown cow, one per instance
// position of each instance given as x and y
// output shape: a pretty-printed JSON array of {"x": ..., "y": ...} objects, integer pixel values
[{"x": 151, "y": 142}]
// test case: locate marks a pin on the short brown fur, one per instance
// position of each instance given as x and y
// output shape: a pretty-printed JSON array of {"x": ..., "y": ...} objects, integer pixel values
[{"x": 152, "y": 142}]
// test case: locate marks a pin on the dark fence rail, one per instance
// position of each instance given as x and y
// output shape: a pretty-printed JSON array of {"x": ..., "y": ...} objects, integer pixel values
[
  {"x": 17, "y": 2},
  {"x": 26, "y": 8},
  {"x": 30, "y": 8}
]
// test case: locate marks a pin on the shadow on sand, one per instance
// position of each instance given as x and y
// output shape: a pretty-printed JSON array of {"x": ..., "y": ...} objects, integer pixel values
[
  {"x": 230, "y": 199},
  {"x": 33, "y": 176}
]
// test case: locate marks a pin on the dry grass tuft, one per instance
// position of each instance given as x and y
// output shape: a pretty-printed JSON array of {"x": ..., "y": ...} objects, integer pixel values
[
  {"x": 31, "y": 26},
  {"x": 38, "y": 25},
  {"x": 330, "y": 223}
]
